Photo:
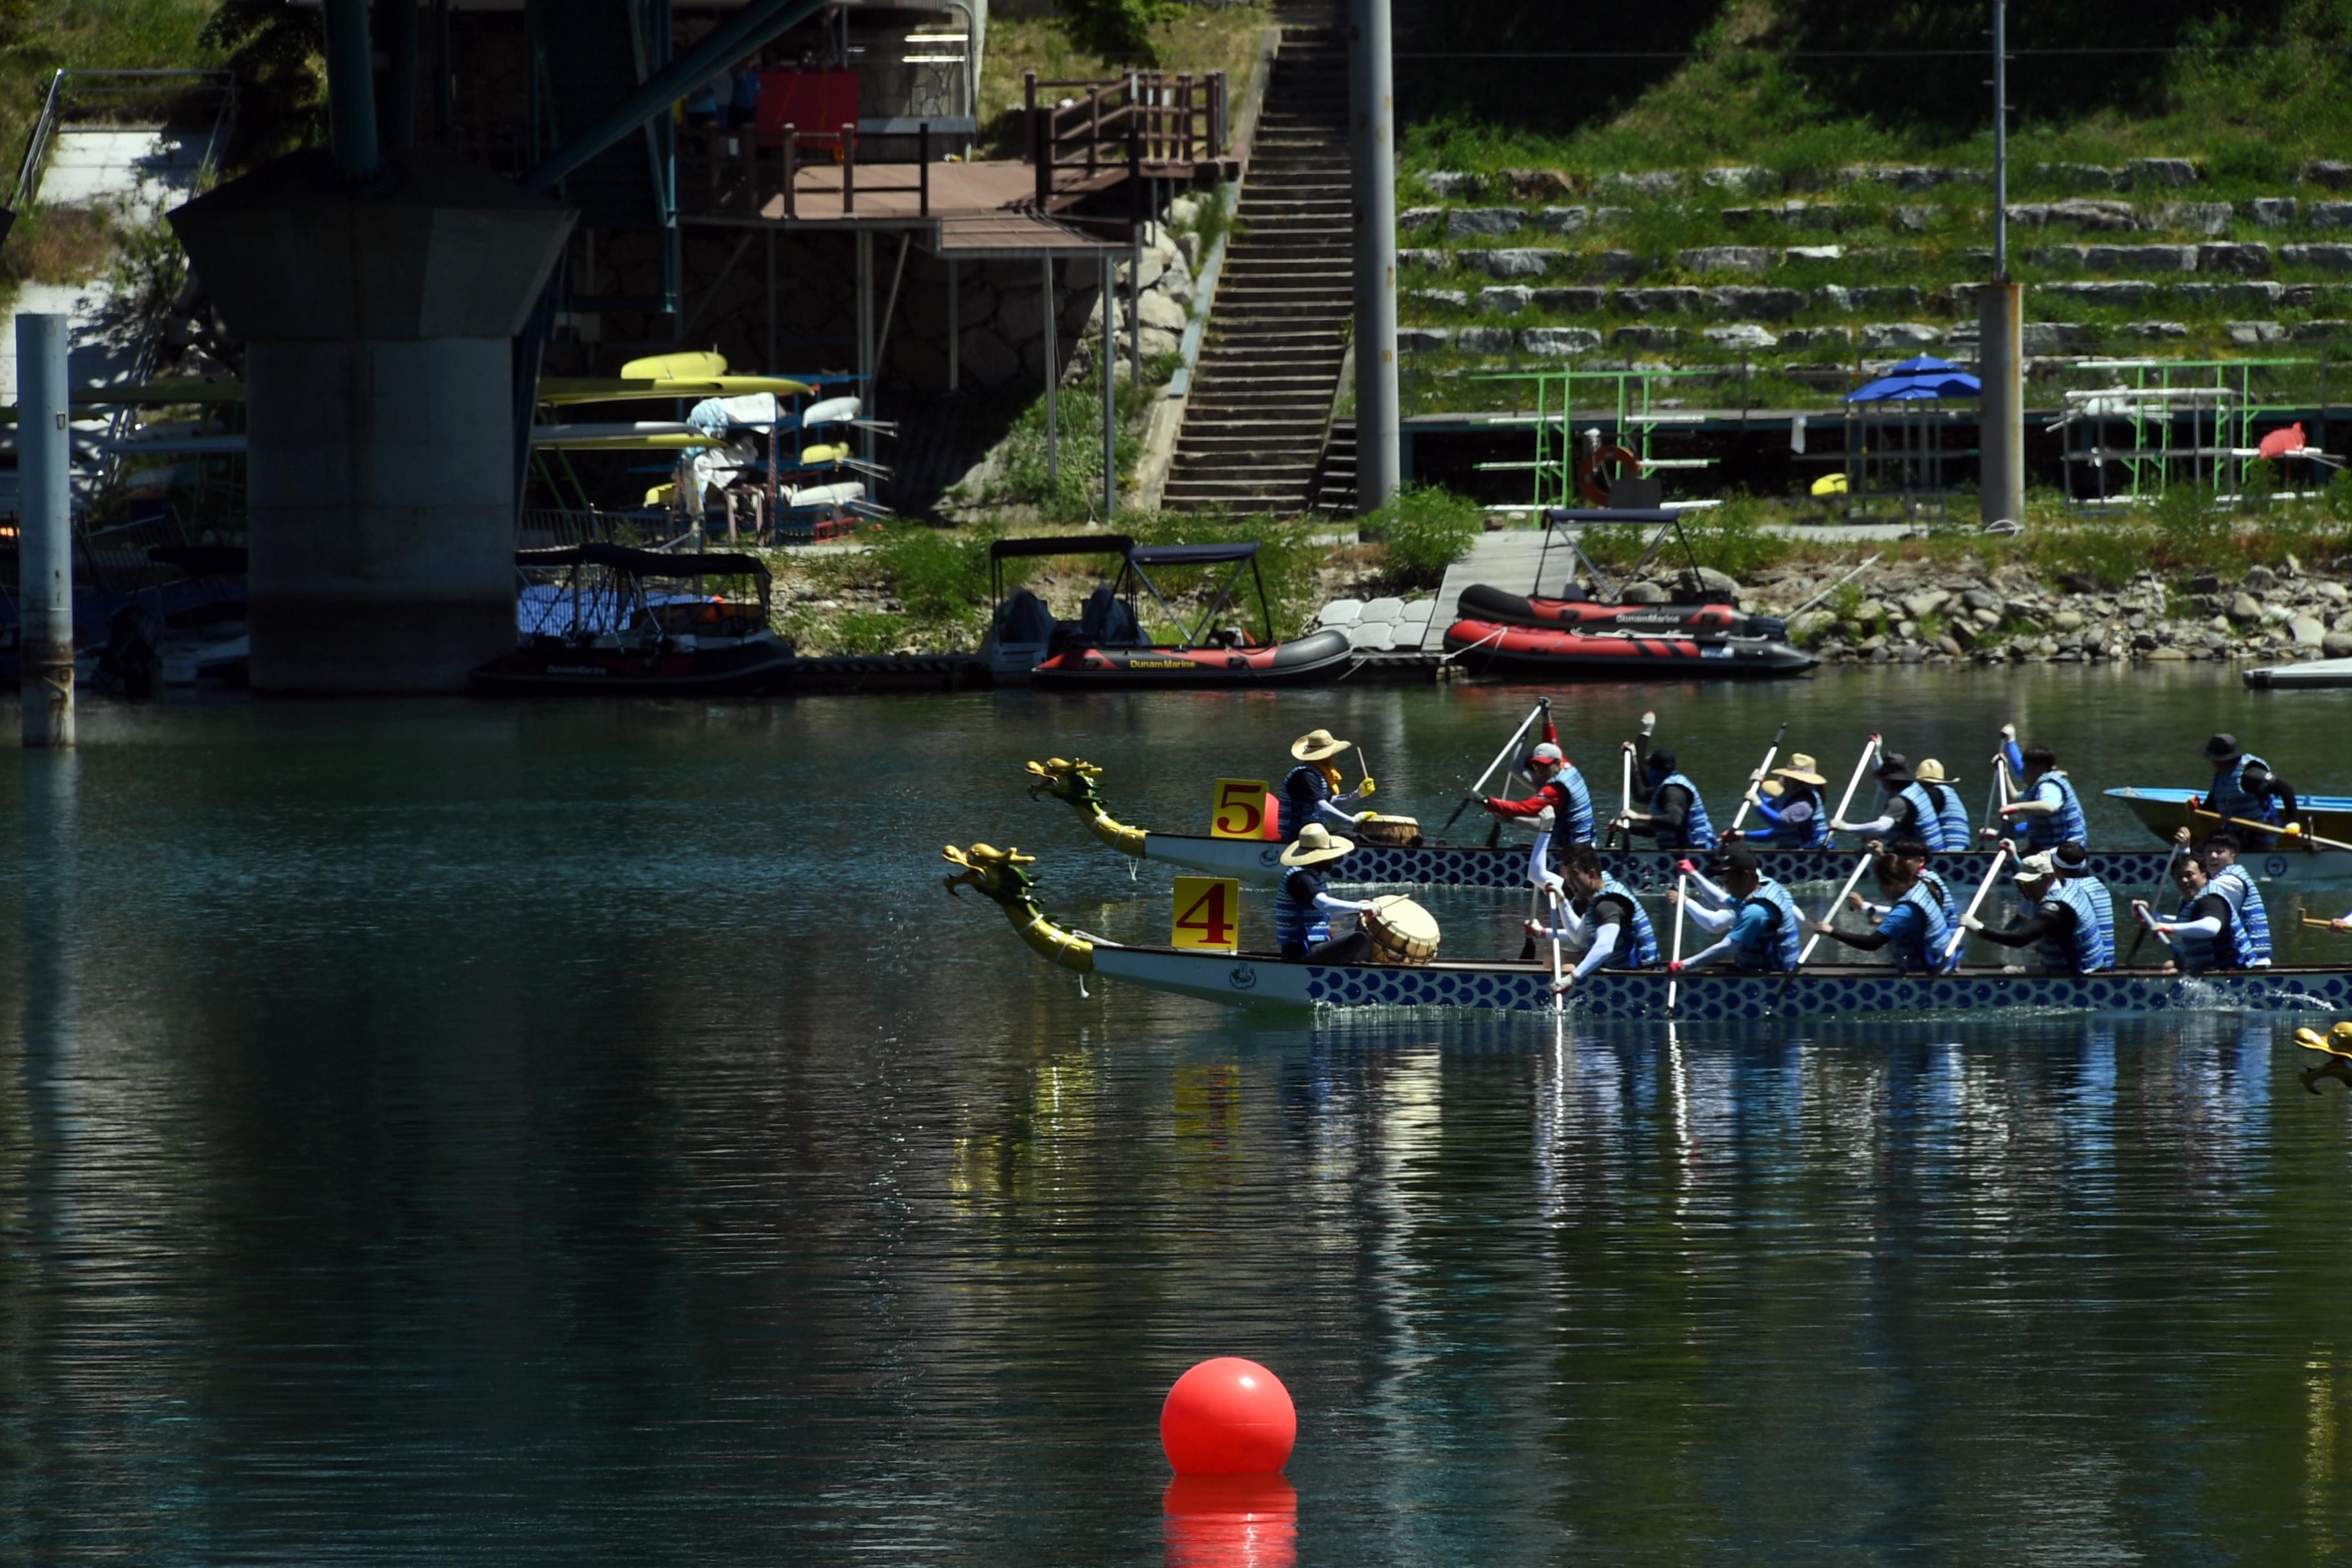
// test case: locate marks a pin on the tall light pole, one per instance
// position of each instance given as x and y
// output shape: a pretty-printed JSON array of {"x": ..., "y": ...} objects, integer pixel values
[{"x": 2001, "y": 317}]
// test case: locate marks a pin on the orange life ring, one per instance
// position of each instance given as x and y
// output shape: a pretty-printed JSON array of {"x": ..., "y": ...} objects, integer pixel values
[{"x": 1587, "y": 485}]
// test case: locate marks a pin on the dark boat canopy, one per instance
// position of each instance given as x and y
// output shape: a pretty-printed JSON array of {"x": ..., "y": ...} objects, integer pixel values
[
  {"x": 1063, "y": 544},
  {"x": 646, "y": 562},
  {"x": 1191, "y": 554}
]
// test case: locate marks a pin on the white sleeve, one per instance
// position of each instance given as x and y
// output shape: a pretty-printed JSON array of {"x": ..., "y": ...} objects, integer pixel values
[
  {"x": 1714, "y": 922},
  {"x": 2209, "y": 926},
  {"x": 1876, "y": 824},
  {"x": 1536, "y": 868},
  {"x": 1708, "y": 955},
  {"x": 1604, "y": 946},
  {"x": 1336, "y": 811},
  {"x": 1708, "y": 889}
]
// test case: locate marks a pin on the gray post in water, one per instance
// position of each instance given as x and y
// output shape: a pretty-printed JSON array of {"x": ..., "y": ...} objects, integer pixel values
[
  {"x": 45, "y": 536},
  {"x": 1109, "y": 391},
  {"x": 1372, "y": 152},
  {"x": 2000, "y": 315}
]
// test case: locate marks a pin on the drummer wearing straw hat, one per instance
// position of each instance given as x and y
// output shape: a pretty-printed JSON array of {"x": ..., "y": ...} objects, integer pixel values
[
  {"x": 1303, "y": 908},
  {"x": 1311, "y": 791},
  {"x": 1795, "y": 816}
]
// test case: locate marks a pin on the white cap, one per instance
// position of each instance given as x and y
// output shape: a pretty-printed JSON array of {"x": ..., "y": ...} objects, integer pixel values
[
  {"x": 1546, "y": 753},
  {"x": 2037, "y": 868}
]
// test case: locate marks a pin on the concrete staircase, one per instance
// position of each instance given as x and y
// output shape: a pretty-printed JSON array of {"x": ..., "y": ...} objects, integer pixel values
[{"x": 1261, "y": 401}]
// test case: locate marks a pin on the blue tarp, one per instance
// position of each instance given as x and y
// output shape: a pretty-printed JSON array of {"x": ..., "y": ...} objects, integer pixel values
[{"x": 1924, "y": 376}]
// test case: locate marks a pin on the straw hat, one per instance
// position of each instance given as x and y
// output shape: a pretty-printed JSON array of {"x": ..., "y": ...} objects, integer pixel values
[
  {"x": 1316, "y": 846},
  {"x": 1800, "y": 768},
  {"x": 1774, "y": 789},
  {"x": 1932, "y": 772},
  {"x": 1317, "y": 746}
]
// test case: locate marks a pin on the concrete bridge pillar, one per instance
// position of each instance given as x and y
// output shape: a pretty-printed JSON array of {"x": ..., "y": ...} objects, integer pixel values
[{"x": 379, "y": 319}]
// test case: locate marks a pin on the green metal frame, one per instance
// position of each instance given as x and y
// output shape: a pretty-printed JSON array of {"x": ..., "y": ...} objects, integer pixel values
[
  {"x": 1638, "y": 419},
  {"x": 2218, "y": 399}
]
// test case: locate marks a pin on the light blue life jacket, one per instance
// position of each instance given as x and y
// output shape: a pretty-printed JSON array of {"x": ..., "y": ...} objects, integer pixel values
[
  {"x": 2090, "y": 947},
  {"x": 1927, "y": 821},
  {"x": 1814, "y": 833},
  {"x": 1954, "y": 815},
  {"x": 2196, "y": 952},
  {"x": 1928, "y": 958},
  {"x": 1698, "y": 833},
  {"x": 2230, "y": 796},
  {"x": 2253, "y": 924},
  {"x": 1935, "y": 883},
  {"x": 2063, "y": 825},
  {"x": 1573, "y": 826},
  {"x": 1297, "y": 918},
  {"x": 1645, "y": 936},
  {"x": 1293, "y": 816},
  {"x": 1783, "y": 941}
]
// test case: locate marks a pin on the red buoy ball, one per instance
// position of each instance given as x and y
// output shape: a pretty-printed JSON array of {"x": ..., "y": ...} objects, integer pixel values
[{"x": 1228, "y": 1417}]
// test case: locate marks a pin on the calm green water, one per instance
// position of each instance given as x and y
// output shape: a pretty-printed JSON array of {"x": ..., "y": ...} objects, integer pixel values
[{"x": 573, "y": 1134}]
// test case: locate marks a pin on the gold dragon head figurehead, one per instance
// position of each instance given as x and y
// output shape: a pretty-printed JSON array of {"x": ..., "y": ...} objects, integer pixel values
[
  {"x": 994, "y": 872},
  {"x": 1065, "y": 778}
]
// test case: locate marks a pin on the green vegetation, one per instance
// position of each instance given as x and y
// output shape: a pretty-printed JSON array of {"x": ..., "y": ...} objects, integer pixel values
[
  {"x": 1069, "y": 488},
  {"x": 1140, "y": 32},
  {"x": 1425, "y": 530}
]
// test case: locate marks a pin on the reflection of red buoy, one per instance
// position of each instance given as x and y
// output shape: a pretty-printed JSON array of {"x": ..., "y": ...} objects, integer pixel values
[
  {"x": 1228, "y": 1417},
  {"x": 1231, "y": 1522}
]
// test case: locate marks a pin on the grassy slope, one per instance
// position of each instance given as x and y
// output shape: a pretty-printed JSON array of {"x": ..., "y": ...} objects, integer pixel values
[{"x": 1221, "y": 38}]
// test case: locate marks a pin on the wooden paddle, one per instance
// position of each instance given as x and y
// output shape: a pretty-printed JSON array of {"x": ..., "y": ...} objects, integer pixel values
[
  {"x": 1757, "y": 782},
  {"x": 2320, "y": 924}
]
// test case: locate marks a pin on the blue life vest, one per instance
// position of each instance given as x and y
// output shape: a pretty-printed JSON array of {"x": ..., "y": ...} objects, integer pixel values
[
  {"x": 1954, "y": 815},
  {"x": 1927, "y": 821},
  {"x": 1814, "y": 833},
  {"x": 2196, "y": 953},
  {"x": 2231, "y": 797},
  {"x": 2090, "y": 947},
  {"x": 2063, "y": 825},
  {"x": 1698, "y": 833},
  {"x": 1934, "y": 882},
  {"x": 1293, "y": 815},
  {"x": 1645, "y": 936},
  {"x": 1929, "y": 958},
  {"x": 2253, "y": 924},
  {"x": 1573, "y": 826},
  {"x": 1296, "y": 917},
  {"x": 1784, "y": 939}
]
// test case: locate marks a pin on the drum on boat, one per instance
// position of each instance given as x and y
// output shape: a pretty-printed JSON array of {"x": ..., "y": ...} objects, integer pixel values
[
  {"x": 1405, "y": 832},
  {"x": 1402, "y": 930}
]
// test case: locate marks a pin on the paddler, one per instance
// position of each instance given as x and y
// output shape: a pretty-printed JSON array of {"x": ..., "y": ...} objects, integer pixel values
[
  {"x": 1914, "y": 807},
  {"x": 2071, "y": 920},
  {"x": 2251, "y": 919},
  {"x": 1759, "y": 923},
  {"x": 1790, "y": 802},
  {"x": 2203, "y": 932},
  {"x": 1312, "y": 792},
  {"x": 1677, "y": 816},
  {"x": 2245, "y": 789},
  {"x": 1609, "y": 925},
  {"x": 2048, "y": 810},
  {"x": 1303, "y": 909},
  {"x": 1914, "y": 924},
  {"x": 1914, "y": 853},
  {"x": 1560, "y": 789}
]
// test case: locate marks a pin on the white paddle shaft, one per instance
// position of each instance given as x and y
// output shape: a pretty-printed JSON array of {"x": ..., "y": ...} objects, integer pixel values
[
  {"x": 1869, "y": 750},
  {"x": 1992, "y": 875},
  {"x": 1748, "y": 799},
  {"x": 1682, "y": 900},
  {"x": 1508, "y": 746},
  {"x": 1830, "y": 913},
  {"x": 1551, "y": 896}
]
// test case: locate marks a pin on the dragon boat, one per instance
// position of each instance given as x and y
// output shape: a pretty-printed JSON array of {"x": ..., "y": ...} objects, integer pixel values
[
  {"x": 1479, "y": 866},
  {"x": 2284, "y": 860},
  {"x": 1825, "y": 990}
]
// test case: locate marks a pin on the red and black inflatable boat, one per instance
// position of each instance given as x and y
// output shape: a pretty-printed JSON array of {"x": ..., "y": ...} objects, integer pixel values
[
  {"x": 1490, "y": 648},
  {"x": 1482, "y": 602},
  {"x": 1318, "y": 655}
]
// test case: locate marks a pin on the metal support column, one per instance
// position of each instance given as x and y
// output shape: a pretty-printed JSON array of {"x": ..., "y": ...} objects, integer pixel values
[
  {"x": 1372, "y": 154},
  {"x": 1110, "y": 395},
  {"x": 2001, "y": 317},
  {"x": 1052, "y": 380},
  {"x": 955, "y": 333},
  {"x": 771, "y": 366},
  {"x": 351, "y": 89},
  {"x": 865, "y": 338},
  {"x": 45, "y": 531},
  {"x": 395, "y": 104}
]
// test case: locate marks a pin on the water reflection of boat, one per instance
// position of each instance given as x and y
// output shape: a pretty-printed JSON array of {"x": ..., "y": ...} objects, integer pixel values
[
  {"x": 589, "y": 624},
  {"x": 1477, "y": 865},
  {"x": 1826, "y": 991}
]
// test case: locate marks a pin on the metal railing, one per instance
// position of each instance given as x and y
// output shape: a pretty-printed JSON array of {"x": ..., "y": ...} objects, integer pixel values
[
  {"x": 736, "y": 171},
  {"x": 171, "y": 93}
]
